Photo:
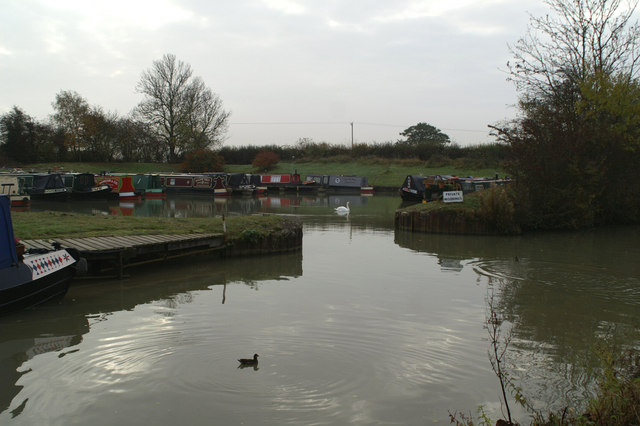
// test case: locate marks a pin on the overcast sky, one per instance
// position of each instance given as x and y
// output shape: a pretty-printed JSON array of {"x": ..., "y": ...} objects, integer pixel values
[{"x": 286, "y": 69}]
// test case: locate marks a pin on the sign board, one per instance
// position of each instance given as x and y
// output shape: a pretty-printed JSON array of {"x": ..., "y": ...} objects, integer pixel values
[{"x": 452, "y": 197}]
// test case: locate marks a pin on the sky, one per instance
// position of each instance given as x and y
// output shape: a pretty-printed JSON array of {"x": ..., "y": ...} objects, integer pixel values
[{"x": 285, "y": 69}]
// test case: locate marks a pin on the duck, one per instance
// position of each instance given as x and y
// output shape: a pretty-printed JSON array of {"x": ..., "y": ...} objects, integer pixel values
[
  {"x": 343, "y": 209},
  {"x": 249, "y": 361}
]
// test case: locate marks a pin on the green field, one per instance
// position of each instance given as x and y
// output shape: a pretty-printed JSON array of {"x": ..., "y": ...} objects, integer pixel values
[{"x": 379, "y": 172}]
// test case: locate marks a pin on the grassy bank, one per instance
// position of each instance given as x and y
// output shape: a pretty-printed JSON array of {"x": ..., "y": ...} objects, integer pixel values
[
  {"x": 490, "y": 211},
  {"x": 45, "y": 225},
  {"x": 381, "y": 172}
]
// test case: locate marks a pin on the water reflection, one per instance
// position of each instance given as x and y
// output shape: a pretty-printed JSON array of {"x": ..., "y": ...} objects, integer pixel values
[
  {"x": 60, "y": 327},
  {"x": 33, "y": 334},
  {"x": 561, "y": 291},
  {"x": 367, "y": 212}
]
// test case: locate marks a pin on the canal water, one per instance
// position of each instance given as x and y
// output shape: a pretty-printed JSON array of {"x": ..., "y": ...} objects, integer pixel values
[{"x": 364, "y": 326}]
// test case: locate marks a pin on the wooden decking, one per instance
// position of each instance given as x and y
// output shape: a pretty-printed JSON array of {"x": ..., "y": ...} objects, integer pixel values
[{"x": 116, "y": 253}]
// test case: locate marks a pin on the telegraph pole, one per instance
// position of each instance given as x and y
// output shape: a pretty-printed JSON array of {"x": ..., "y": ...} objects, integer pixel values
[{"x": 352, "y": 135}]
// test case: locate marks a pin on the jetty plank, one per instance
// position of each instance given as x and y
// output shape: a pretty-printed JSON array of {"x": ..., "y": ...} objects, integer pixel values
[
  {"x": 144, "y": 239},
  {"x": 74, "y": 244},
  {"x": 37, "y": 244},
  {"x": 119, "y": 242},
  {"x": 123, "y": 251},
  {"x": 84, "y": 243}
]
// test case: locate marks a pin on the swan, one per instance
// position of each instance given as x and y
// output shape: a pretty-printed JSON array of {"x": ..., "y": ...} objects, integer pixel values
[
  {"x": 343, "y": 209},
  {"x": 249, "y": 361}
]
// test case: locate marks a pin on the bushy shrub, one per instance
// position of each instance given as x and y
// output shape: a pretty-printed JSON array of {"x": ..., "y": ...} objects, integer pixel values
[
  {"x": 497, "y": 208},
  {"x": 202, "y": 160},
  {"x": 265, "y": 161}
]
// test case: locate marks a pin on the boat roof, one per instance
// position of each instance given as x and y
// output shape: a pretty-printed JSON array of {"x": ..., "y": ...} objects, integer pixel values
[{"x": 8, "y": 255}]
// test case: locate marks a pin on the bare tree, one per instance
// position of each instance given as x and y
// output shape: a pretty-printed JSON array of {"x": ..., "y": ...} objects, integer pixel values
[
  {"x": 183, "y": 111},
  {"x": 206, "y": 118},
  {"x": 582, "y": 38}
]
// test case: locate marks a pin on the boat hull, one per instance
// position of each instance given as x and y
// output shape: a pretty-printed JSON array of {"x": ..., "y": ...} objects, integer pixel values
[
  {"x": 24, "y": 285},
  {"x": 97, "y": 192}
]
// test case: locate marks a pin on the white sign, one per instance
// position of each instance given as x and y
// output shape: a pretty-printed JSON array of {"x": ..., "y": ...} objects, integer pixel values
[{"x": 452, "y": 196}]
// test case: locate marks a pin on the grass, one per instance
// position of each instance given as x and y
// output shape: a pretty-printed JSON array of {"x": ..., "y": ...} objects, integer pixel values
[
  {"x": 471, "y": 203},
  {"x": 43, "y": 225},
  {"x": 381, "y": 172},
  {"x": 493, "y": 206}
]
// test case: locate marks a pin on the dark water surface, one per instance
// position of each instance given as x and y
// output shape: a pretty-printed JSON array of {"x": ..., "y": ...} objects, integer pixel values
[{"x": 364, "y": 326}]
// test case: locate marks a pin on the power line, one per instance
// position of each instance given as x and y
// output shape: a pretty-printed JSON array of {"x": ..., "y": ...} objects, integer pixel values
[
  {"x": 346, "y": 123},
  {"x": 294, "y": 123}
]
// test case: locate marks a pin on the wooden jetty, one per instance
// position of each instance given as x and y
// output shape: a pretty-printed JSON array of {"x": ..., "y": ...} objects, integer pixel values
[{"x": 116, "y": 253}]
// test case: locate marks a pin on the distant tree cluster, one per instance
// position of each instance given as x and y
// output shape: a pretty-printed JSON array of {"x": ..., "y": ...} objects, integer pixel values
[
  {"x": 575, "y": 150},
  {"x": 178, "y": 115},
  {"x": 472, "y": 156}
]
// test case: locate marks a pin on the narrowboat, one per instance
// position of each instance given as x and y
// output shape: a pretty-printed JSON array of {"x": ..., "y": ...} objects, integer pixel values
[
  {"x": 13, "y": 187},
  {"x": 188, "y": 183},
  {"x": 121, "y": 184},
  {"x": 221, "y": 185},
  {"x": 28, "y": 279},
  {"x": 48, "y": 186},
  {"x": 149, "y": 185},
  {"x": 245, "y": 184},
  {"x": 255, "y": 181},
  {"x": 83, "y": 186},
  {"x": 287, "y": 182},
  {"x": 427, "y": 188},
  {"x": 471, "y": 184},
  {"x": 341, "y": 184}
]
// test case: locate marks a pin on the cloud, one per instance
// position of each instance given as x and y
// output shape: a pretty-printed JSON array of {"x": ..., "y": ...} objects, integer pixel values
[
  {"x": 371, "y": 61},
  {"x": 289, "y": 7},
  {"x": 97, "y": 15}
]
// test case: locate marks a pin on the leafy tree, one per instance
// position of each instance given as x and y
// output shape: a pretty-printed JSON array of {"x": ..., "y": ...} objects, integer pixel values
[
  {"x": 70, "y": 110},
  {"x": 265, "y": 161},
  {"x": 18, "y": 131},
  {"x": 183, "y": 112},
  {"x": 25, "y": 140},
  {"x": 135, "y": 141},
  {"x": 100, "y": 134},
  {"x": 577, "y": 136},
  {"x": 424, "y": 133}
]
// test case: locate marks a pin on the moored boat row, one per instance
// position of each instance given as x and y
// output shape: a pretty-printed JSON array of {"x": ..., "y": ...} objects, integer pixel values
[
  {"x": 427, "y": 188},
  {"x": 22, "y": 187}
]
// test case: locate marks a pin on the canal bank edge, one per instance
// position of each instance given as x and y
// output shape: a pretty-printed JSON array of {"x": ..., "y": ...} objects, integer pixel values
[
  {"x": 473, "y": 216},
  {"x": 287, "y": 237}
]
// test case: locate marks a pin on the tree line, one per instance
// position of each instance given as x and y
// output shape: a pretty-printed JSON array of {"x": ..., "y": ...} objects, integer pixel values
[
  {"x": 178, "y": 114},
  {"x": 78, "y": 131},
  {"x": 481, "y": 155}
]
